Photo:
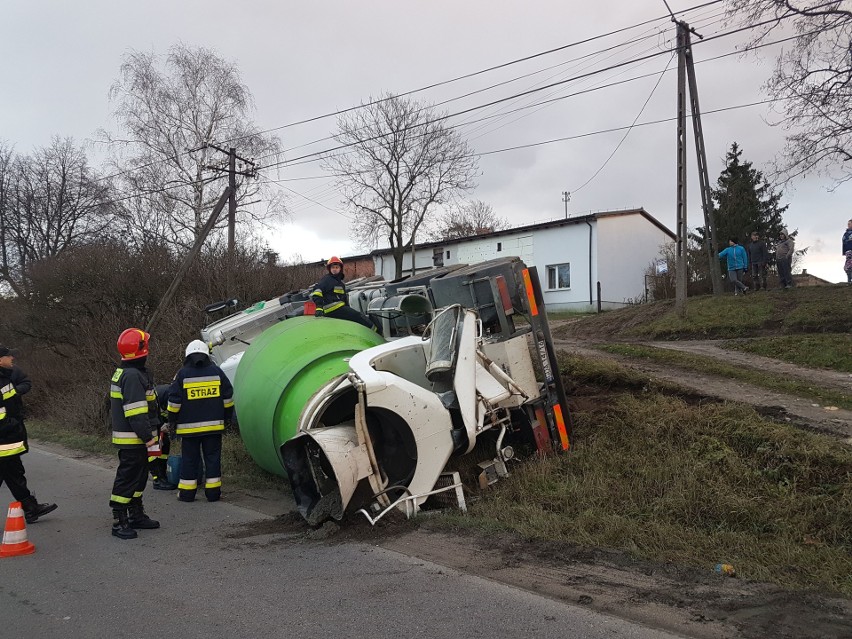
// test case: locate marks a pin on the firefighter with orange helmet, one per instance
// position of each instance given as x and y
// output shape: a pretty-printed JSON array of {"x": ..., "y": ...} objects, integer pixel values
[
  {"x": 330, "y": 297},
  {"x": 135, "y": 421}
]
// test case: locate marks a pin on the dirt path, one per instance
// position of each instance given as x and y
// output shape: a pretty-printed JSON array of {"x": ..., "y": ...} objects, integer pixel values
[
  {"x": 797, "y": 410},
  {"x": 710, "y": 348}
]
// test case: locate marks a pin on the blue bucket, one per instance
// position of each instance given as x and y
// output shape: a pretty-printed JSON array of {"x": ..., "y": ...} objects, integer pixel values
[{"x": 173, "y": 469}]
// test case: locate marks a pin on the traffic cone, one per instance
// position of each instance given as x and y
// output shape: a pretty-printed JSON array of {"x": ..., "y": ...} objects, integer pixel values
[{"x": 15, "y": 536}]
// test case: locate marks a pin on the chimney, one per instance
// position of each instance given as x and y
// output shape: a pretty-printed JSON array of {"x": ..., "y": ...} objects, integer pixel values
[{"x": 804, "y": 271}]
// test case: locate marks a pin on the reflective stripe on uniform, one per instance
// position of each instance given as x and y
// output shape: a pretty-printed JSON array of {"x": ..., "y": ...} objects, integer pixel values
[
  {"x": 8, "y": 391},
  {"x": 174, "y": 407},
  {"x": 135, "y": 408},
  {"x": 120, "y": 437},
  {"x": 200, "y": 427},
  {"x": 138, "y": 493},
  {"x": 213, "y": 482},
  {"x": 15, "y": 448},
  {"x": 229, "y": 401},
  {"x": 316, "y": 293},
  {"x": 119, "y": 499},
  {"x": 199, "y": 381},
  {"x": 115, "y": 392},
  {"x": 2, "y": 412},
  {"x": 333, "y": 307},
  {"x": 188, "y": 484}
]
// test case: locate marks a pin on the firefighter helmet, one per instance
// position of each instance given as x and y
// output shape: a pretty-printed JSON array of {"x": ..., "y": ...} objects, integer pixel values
[
  {"x": 334, "y": 260},
  {"x": 133, "y": 344},
  {"x": 197, "y": 346}
]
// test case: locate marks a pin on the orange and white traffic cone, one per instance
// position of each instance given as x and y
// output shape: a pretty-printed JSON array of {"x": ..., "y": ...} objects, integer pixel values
[{"x": 15, "y": 536}]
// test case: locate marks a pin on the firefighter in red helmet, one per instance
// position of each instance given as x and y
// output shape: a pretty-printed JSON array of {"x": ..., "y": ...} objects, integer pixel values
[
  {"x": 330, "y": 297},
  {"x": 135, "y": 421}
]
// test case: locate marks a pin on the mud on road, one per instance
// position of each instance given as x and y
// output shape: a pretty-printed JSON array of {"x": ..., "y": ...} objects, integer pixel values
[{"x": 686, "y": 601}]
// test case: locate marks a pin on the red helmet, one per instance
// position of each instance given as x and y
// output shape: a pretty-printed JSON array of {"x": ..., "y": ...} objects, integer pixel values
[
  {"x": 133, "y": 344},
  {"x": 334, "y": 260}
]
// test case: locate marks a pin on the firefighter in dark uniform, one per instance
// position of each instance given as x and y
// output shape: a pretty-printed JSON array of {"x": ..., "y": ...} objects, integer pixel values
[
  {"x": 158, "y": 464},
  {"x": 330, "y": 297},
  {"x": 135, "y": 421},
  {"x": 13, "y": 436},
  {"x": 200, "y": 404}
]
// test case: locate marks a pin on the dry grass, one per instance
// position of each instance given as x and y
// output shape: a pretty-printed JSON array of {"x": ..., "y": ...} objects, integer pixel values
[
  {"x": 831, "y": 351},
  {"x": 692, "y": 484}
]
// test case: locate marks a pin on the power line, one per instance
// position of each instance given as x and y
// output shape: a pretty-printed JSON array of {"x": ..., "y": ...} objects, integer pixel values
[
  {"x": 629, "y": 129},
  {"x": 482, "y": 71}
]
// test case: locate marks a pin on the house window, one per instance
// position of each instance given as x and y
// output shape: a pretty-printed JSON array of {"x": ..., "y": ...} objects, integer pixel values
[
  {"x": 448, "y": 255},
  {"x": 559, "y": 276},
  {"x": 499, "y": 246},
  {"x": 438, "y": 257}
]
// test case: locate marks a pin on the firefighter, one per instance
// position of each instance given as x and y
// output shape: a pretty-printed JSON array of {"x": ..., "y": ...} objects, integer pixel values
[
  {"x": 158, "y": 464},
  {"x": 135, "y": 420},
  {"x": 200, "y": 405},
  {"x": 13, "y": 436},
  {"x": 330, "y": 297}
]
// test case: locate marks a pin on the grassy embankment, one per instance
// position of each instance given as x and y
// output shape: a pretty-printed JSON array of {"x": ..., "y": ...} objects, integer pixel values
[
  {"x": 819, "y": 309},
  {"x": 692, "y": 483}
]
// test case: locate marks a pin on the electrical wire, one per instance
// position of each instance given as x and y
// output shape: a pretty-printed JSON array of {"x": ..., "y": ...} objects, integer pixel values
[{"x": 629, "y": 129}]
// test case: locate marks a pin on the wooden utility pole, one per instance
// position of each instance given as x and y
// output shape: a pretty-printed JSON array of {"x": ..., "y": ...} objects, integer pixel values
[
  {"x": 232, "y": 203},
  {"x": 187, "y": 261},
  {"x": 680, "y": 242}
]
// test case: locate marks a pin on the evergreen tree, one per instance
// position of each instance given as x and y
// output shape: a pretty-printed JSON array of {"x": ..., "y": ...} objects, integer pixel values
[{"x": 744, "y": 201}]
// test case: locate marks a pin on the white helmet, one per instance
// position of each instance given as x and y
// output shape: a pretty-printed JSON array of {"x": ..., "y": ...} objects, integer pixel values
[{"x": 197, "y": 346}]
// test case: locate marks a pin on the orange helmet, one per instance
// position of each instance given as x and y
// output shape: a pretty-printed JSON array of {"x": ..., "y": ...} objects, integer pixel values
[
  {"x": 334, "y": 260},
  {"x": 133, "y": 344}
]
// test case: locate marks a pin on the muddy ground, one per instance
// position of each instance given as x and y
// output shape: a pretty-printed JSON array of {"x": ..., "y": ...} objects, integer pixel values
[{"x": 686, "y": 601}]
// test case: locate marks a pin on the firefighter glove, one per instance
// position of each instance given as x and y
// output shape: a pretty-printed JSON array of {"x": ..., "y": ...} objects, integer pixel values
[{"x": 319, "y": 313}]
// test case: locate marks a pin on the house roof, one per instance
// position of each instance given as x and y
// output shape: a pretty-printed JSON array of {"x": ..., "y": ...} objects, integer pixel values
[{"x": 544, "y": 225}]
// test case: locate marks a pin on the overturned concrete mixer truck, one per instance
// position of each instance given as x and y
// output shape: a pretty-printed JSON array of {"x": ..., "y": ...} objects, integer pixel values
[{"x": 462, "y": 379}]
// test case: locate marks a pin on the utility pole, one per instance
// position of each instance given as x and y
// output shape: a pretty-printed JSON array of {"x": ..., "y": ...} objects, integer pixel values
[
  {"x": 686, "y": 69},
  {"x": 566, "y": 197},
  {"x": 232, "y": 201},
  {"x": 711, "y": 242},
  {"x": 680, "y": 242}
]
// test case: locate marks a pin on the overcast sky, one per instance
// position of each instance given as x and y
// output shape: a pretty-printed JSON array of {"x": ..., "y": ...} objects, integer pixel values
[{"x": 303, "y": 59}]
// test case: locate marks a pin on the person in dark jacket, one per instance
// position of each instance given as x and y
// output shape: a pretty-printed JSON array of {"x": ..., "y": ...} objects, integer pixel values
[
  {"x": 847, "y": 238},
  {"x": 135, "y": 421},
  {"x": 330, "y": 297},
  {"x": 758, "y": 258},
  {"x": 13, "y": 436},
  {"x": 784, "y": 249},
  {"x": 737, "y": 260},
  {"x": 200, "y": 405}
]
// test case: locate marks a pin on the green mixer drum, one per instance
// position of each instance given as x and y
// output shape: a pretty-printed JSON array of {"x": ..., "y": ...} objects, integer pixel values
[{"x": 282, "y": 370}]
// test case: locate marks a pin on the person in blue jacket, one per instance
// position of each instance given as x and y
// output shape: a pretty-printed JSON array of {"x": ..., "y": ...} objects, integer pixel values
[
  {"x": 200, "y": 405},
  {"x": 737, "y": 265}
]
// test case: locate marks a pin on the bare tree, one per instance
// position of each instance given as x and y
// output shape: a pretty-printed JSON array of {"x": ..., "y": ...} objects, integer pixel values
[
  {"x": 401, "y": 160},
  {"x": 169, "y": 109},
  {"x": 49, "y": 201},
  {"x": 812, "y": 81},
  {"x": 470, "y": 218}
]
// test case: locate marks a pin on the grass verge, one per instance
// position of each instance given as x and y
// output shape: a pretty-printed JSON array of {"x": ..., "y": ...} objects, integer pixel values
[
  {"x": 713, "y": 366},
  {"x": 831, "y": 351},
  {"x": 816, "y": 309},
  {"x": 671, "y": 481}
]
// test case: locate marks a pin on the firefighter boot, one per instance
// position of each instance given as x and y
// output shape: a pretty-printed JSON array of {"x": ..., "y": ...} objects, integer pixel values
[
  {"x": 161, "y": 481},
  {"x": 137, "y": 517},
  {"x": 33, "y": 510},
  {"x": 121, "y": 527}
]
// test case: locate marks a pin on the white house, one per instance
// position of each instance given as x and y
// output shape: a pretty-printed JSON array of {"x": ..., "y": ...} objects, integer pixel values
[{"x": 572, "y": 256}]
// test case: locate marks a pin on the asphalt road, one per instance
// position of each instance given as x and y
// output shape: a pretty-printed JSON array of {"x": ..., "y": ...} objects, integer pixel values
[{"x": 190, "y": 580}]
